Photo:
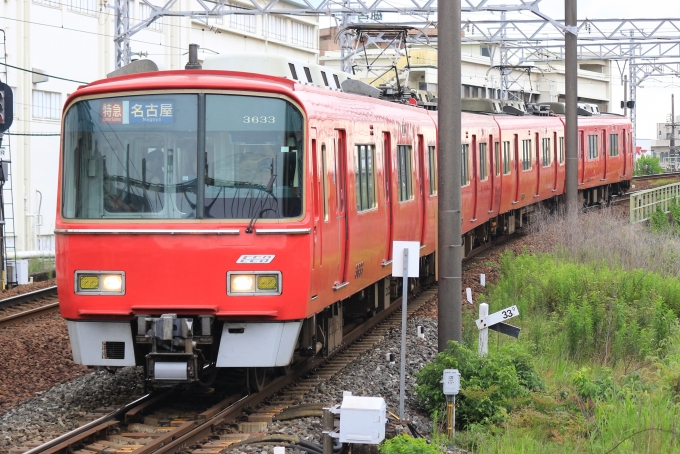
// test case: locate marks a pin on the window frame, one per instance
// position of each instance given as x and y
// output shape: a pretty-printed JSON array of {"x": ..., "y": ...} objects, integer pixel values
[
  {"x": 465, "y": 164},
  {"x": 593, "y": 139},
  {"x": 526, "y": 155},
  {"x": 483, "y": 159},
  {"x": 506, "y": 157},
  {"x": 613, "y": 145},
  {"x": 560, "y": 155},
  {"x": 364, "y": 177},
  {"x": 432, "y": 170},
  {"x": 546, "y": 154},
  {"x": 405, "y": 171}
]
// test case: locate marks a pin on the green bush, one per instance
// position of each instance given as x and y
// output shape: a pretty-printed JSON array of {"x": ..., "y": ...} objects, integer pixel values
[
  {"x": 491, "y": 386},
  {"x": 647, "y": 165},
  {"x": 659, "y": 221},
  {"x": 403, "y": 444}
]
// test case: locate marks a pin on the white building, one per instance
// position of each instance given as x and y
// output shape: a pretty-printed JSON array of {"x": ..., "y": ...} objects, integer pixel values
[{"x": 73, "y": 39}]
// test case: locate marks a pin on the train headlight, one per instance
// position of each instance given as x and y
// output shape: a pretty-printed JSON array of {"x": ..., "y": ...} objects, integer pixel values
[
  {"x": 254, "y": 283},
  {"x": 100, "y": 283}
]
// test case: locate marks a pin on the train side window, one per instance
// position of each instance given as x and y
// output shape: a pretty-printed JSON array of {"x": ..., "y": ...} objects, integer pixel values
[
  {"x": 337, "y": 81},
  {"x": 592, "y": 146},
  {"x": 526, "y": 154},
  {"x": 546, "y": 152},
  {"x": 364, "y": 158},
  {"x": 506, "y": 157},
  {"x": 613, "y": 144},
  {"x": 465, "y": 165},
  {"x": 497, "y": 157},
  {"x": 483, "y": 174},
  {"x": 324, "y": 188},
  {"x": 325, "y": 79},
  {"x": 561, "y": 155},
  {"x": 433, "y": 169},
  {"x": 405, "y": 167}
]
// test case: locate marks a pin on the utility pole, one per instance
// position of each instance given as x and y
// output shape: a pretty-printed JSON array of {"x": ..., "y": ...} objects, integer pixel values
[
  {"x": 625, "y": 95},
  {"x": 571, "y": 98},
  {"x": 449, "y": 159},
  {"x": 672, "y": 147}
]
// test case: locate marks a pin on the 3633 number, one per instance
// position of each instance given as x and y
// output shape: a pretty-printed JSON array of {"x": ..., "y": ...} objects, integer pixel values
[{"x": 259, "y": 119}]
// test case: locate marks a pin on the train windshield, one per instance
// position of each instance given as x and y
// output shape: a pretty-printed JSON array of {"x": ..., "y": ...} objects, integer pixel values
[{"x": 136, "y": 157}]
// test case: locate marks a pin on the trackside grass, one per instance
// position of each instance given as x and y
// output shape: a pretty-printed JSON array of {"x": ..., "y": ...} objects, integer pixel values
[{"x": 597, "y": 366}]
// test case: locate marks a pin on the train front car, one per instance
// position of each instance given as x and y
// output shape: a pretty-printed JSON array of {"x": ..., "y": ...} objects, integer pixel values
[{"x": 181, "y": 220}]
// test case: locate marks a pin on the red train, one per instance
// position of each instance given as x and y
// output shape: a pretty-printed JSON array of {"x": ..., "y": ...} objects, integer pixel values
[{"x": 283, "y": 237}]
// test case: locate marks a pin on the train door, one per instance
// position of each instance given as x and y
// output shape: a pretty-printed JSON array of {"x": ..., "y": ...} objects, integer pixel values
[
  {"x": 556, "y": 165},
  {"x": 605, "y": 156},
  {"x": 475, "y": 178},
  {"x": 421, "y": 185},
  {"x": 625, "y": 150},
  {"x": 341, "y": 194},
  {"x": 316, "y": 199},
  {"x": 517, "y": 168},
  {"x": 493, "y": 151},
  {"x": 581, "y": 156},
  {"x": 539, "y": 165},
  {"x": 387, "y": 156},
  {"x": 497, "y": 181}
]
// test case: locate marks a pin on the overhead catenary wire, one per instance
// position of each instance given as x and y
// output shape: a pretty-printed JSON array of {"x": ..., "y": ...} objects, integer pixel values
[{"x": 43, "y": 74}]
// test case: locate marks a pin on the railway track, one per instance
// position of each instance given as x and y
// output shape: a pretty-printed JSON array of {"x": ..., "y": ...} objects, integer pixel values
[
  {"x": 173, "y": 421},
  {"x": 28, "y": 305}
]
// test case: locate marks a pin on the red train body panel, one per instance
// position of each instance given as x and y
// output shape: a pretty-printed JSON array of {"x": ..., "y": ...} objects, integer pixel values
[{"x": 365, "y": 176}]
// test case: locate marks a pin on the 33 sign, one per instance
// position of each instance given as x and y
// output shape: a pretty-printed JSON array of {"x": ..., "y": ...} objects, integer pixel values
[{"x": 497, "y": 317}]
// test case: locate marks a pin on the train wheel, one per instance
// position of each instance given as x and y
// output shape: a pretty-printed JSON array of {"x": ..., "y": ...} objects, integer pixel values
[{"x": 257, "y": 376}]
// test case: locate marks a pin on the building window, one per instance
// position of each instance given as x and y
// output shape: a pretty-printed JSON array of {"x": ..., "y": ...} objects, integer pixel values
[
  {"x": 277, "y": 27},
  {"x": 405, "y": 167},
  {"x": 526, "y": 154},
  {"x": 546, "y": 152},
  {"x": 613, "y": 144},
  {"x": 245, "y": 22},
  {"x": 145, "y": 12},
  {"x": 46, "y": 105},
  {"x": 592, "y": 146},
  {"x": 432, "y": 160},
  {"x": 50, "y": 3},
  {"x": 506, "y": 157},
  {"x": 465, "y": 165},
  {"x": 483, "y": 175},
  {"x": 561, "y": 150},
  {"x": 89, "y": 7},
  {"x": 364, "y": 156},
  {"x": 303, "y": 35}
]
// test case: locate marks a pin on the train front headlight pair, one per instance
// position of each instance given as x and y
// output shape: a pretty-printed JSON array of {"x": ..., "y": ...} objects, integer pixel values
[
  {"x": 100, "y": 282},
  {"x": 258, "y": 283}
]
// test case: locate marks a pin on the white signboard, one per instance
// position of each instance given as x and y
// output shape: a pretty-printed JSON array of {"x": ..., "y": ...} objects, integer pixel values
[
  {"x": 497, "y": 317},
  {"x": 451, "y": 382},
  {"x": 398, "y": 258}
]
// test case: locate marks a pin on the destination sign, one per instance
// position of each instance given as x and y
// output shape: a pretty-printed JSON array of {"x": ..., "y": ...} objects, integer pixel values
[{"x": 129, "y": 112}]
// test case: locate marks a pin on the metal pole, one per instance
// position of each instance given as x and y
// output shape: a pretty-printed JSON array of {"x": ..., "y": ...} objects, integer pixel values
[
  {"x": 450, "y": 416},
  {"x": 672, "y": 145},
  {"x": 122, "y": 11},
  {"x": 625, "y": 95},
  {"x": 571, "y": 98},
  {"x": 402, "y": 371},
  {"x": 449, "y": 164}
]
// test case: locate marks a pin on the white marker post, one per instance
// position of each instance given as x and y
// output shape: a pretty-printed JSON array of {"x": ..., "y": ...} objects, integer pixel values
[
  {"x": 483, "y": 347},
  {"x": 482, "y": 279},
  {"x": 405, "y": 264},
  {"x": 468, "y": 293}
]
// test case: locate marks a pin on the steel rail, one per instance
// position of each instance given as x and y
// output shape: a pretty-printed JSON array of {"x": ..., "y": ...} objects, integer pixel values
[{"x": 28, "y": 297}]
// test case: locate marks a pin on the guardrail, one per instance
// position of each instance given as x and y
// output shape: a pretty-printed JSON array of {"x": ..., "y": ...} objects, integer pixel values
[{"x": 644, "y": 203}]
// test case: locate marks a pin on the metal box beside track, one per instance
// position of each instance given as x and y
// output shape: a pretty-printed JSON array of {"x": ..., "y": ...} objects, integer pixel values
[{"x": 362, "y": 420}]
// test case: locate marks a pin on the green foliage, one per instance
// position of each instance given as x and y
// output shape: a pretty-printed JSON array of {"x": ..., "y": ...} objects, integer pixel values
[
  {"x": 602, "y": 315},
  {"x": 659, "y": 221},
  {"x": 403, "y": 444},
  {"x": 647, "y": 165},
  {"x": 491, "y": 386},
  {"x": 674, "y": 209}
]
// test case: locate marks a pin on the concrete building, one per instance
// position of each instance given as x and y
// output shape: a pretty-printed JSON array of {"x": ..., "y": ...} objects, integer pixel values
[{"x": 73, "y": 39}]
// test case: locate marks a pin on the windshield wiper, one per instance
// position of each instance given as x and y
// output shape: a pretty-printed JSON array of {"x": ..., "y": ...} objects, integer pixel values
[{"x": 268, "y": 190}]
